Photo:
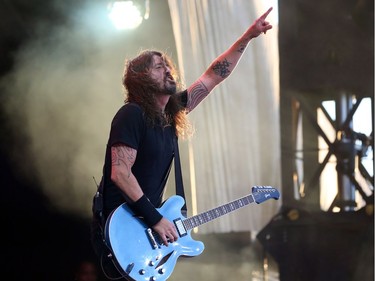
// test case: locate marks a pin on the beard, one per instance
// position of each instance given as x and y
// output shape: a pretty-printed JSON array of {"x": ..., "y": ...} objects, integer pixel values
[{"x": 168, "y": 87}]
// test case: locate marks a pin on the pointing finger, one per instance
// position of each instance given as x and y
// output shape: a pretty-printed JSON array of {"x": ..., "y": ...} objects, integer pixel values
[{"x": 266, "y": 13}]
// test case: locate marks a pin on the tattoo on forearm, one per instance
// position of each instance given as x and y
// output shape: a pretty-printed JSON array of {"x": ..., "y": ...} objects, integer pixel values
[
  {"x": 222, "y": 68},
  {"x": 122, "y": 155},
  {"x": 198, "y": 92},
  {"x": 242, "y": 48}
]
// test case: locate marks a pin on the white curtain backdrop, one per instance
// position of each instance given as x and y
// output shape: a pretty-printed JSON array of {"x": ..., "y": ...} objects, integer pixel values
[{"x": 236, "y": 144}]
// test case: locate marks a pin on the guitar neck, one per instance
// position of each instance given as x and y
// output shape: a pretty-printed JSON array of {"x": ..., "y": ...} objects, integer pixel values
[{"x": 217, "y": 212}]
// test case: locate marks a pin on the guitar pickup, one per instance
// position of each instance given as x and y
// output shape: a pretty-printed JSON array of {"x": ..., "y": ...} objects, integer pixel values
[{"x": 180, "y": 227}]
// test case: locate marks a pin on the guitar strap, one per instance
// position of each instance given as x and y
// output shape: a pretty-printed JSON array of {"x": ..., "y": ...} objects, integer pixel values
[{"x": 178, "y": 174}]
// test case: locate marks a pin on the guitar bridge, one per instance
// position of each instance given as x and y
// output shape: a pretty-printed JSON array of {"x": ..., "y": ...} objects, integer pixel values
[{"x": 152, "y": 239}]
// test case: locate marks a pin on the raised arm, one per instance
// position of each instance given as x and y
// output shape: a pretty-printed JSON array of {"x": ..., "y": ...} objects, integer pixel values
[{"x": 225, "y": 63}]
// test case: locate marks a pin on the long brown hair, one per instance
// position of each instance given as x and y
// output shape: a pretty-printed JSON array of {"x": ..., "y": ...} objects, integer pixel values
[{"x": 140, "y": 88}]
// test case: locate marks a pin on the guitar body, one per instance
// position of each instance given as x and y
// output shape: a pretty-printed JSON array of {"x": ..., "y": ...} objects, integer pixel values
[{"x": 138, "y": 252}]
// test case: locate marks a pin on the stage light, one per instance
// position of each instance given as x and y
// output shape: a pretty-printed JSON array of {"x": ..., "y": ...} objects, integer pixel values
[{"x": 128, "y": 14}]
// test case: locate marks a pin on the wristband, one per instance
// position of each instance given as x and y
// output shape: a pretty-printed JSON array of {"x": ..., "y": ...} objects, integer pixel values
[{"x": 144, "y": 208}]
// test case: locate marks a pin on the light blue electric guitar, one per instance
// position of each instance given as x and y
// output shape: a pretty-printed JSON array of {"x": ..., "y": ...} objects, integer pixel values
[{"x": 138, "y": 252}]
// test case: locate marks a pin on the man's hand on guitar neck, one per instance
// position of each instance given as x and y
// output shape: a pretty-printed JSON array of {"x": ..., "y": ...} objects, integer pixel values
[{"x": 166, "y": 231}]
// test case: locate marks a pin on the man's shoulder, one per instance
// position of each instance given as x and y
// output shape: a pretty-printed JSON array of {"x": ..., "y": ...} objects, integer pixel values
[
  {"x": 130, "y": 108},
  {"x": 129, "y": 111}
]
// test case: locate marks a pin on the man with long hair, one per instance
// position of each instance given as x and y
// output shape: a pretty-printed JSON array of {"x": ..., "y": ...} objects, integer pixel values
[{"x": 140, "y": 148}]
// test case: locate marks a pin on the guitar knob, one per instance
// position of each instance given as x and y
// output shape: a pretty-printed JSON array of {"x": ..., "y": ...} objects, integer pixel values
[
  {"x": 151, "y": 263},
  {"x": 162, "y": 270},
  {"x": 152, "y": 278},
  {"x": 142, "y": 272}
]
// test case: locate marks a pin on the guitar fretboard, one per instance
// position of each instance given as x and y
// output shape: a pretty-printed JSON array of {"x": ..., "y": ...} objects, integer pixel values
[{"x": 215, "y": 213}]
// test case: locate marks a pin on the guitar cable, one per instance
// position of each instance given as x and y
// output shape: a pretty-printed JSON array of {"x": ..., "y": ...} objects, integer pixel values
[
  {"x": 105, "y": 272},
  {"x": 109, "y": 257}
]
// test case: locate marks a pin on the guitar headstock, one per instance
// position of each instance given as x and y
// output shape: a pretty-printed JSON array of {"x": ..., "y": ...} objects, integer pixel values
[{"x": 263, "y": 193}]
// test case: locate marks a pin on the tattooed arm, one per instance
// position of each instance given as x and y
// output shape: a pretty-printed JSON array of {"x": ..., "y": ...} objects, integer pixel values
[
  {"x": 123, "y": 158},
  {"x": 225, "y": 63}
]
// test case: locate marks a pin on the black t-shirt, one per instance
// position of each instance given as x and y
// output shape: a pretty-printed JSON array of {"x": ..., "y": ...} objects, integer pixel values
[{"x": 154, "y": 145}]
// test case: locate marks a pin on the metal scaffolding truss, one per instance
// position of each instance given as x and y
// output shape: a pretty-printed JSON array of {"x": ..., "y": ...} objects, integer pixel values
[{"x": 304, "y": 160}]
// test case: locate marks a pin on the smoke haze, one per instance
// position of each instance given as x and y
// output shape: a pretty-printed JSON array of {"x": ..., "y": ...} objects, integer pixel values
[{"x": 60, "y": 99}]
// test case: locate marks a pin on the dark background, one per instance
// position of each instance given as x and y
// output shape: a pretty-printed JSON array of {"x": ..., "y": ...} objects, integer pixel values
[{"x": 39, "y": 241}]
